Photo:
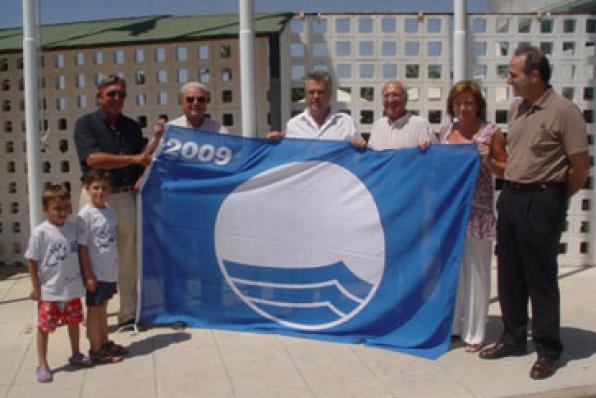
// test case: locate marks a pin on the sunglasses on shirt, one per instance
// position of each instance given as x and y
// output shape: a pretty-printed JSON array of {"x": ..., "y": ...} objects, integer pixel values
[{"x": 200, "y": 100}]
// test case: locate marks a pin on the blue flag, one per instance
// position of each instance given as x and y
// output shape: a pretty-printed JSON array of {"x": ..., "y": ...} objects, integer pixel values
[{"x": 310, "y": 238}]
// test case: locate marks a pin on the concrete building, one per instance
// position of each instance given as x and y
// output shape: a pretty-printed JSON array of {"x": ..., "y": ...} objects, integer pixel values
[
  {"x": 158, "y": 54},
  {"x": 542, "y": 6}
]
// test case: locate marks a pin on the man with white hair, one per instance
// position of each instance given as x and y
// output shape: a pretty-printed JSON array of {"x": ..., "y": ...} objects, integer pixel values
[
  {"x": 193, "y": 100},
  {"x": 399, "y": 128}
]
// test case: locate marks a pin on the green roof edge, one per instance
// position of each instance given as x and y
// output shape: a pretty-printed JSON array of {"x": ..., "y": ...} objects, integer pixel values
[{"x": 137, "y": 30}]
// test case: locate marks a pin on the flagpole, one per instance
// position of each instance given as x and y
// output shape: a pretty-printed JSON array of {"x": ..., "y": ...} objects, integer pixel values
[
  {"x": 247, "y": 68},
  {"x": 30, "y": 72},
  {"x": 459, "y": 40}
]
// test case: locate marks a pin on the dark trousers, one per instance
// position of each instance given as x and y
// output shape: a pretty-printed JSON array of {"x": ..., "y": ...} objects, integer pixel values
[{"x": 529, "y": 226}]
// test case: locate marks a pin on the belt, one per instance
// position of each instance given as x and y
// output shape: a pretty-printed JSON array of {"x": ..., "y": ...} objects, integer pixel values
[
  {"x": 534, "y": 187},
  {"x": 126, "y": 188}
]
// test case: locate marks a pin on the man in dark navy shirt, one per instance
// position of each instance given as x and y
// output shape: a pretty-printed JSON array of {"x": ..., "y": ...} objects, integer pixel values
[{"x": 106, "y": 139}]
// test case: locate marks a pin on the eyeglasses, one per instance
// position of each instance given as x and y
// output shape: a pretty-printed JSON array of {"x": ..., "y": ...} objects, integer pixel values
[
  {"x": 200, "y": 100},
  {"x": 114, "y": 93}
]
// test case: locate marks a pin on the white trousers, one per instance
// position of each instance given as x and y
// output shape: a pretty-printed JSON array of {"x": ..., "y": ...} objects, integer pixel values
[
  {"x": 124, "y": 206},
  {"x": 473, "y": 291}
]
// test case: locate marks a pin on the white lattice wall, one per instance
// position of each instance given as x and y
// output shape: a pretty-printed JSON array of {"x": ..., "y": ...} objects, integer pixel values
[
  {"x": 361, "y": 51},
  {"x": 154, "y": 74}
]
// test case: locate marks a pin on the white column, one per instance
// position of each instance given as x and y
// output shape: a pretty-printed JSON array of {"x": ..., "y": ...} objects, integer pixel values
[
  {"x": 459, "y": 40},
  {"x": 32, "y": 110},
  {"x": 591, "y": 261},
  {"x": 247, "y": 68}
]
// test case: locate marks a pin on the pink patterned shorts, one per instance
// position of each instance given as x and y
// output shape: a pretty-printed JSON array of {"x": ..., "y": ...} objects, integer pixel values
[{"x": 50, "y": 313}]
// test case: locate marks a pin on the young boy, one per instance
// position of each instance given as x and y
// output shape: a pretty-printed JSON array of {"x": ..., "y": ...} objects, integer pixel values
[
  {"x": 55, "y": 277},
  {"x": 98, "y": 254}
]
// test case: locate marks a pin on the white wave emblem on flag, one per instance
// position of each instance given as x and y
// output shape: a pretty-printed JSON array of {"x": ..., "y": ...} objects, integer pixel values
[{"x": 302, "y": 244}]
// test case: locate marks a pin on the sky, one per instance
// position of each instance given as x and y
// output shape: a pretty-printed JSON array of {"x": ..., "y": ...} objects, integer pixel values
[{"x": 58, "y": 11}]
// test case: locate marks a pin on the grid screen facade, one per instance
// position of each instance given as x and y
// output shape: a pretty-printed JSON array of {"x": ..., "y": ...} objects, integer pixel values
[
  {"x": 360, "y": 51},
  {"x": 154, "y": 74}
]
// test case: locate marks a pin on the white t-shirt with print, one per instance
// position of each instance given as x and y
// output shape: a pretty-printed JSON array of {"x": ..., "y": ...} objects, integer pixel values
[
  {"x": 97, "y": 231},
  {"x": 55, "y": 250}
]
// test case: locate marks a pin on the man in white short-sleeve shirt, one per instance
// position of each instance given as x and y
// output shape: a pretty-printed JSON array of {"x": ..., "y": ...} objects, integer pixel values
[
  {"x": 319, "y": 120},
  {"x": 399, "y": 128},
  {"x": 193, "y": 100}
]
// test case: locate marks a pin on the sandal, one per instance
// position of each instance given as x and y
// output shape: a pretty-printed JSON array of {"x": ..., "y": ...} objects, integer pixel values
[
  {"x": 115, "y": 349},
  {"x": 471, "y": 348},
  {"x": 103, "y": 356},
  {"x": 79, "y": 360},
  {"x": 43, "y": 375}
]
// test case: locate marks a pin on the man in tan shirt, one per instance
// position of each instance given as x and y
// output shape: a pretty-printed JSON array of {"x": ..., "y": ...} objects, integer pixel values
[{"x": 548, "y": 162}]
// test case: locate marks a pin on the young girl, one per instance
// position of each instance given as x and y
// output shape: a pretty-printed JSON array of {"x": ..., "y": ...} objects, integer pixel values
[
  {"x": 98, "y": 255},
  {"x": 55, "y": 277}
]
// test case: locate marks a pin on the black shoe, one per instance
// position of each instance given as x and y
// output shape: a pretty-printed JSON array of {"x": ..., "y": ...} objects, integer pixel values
[
  {"x": 142, "y": 326},
  {"x": 543, "y": 368},
  {"x": 501, "y": 350},
  {"x": 128, "y": 322},
  {"x": 178, "y": 325}
]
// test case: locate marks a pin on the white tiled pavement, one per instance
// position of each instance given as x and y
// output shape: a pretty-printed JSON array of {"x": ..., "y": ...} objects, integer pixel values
[{"x": 213, "y": 363}]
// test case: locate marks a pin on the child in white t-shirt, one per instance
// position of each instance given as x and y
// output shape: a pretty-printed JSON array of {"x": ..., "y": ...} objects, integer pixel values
[
  {"x": 98, "y": 254},
  {"x": 55, "y": 278}
]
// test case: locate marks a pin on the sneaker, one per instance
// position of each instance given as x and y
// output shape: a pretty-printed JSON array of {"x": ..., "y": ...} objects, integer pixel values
[
  {"x": 43, "y": 375},
  {"x": 79, "y": 360}
]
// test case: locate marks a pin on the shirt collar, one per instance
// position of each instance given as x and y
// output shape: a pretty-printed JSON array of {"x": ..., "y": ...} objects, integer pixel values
[
  {"x": 541, "y": 103},
  {"x": 188, "y": 124},
  {"x": 333, "y": 114},
  {"x": 400, "y": 122},
  {"x": 544, "y": 99},
  {"x": 103, "y": 117}
]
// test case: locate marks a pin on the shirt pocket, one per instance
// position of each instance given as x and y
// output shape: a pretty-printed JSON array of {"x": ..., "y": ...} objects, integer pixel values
[{"x": 547, "y": 138}]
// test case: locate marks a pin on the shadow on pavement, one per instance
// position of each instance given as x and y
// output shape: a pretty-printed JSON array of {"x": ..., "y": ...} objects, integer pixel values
[
  {"x": 69, "y": 368},
  {"x": 137, "y": 348},
  {"x": 156, "y": 342},
  {"x": 8, "y": 271},
  {"x": 2, "y": 302},
  {"x": 579, "y": 343}
]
